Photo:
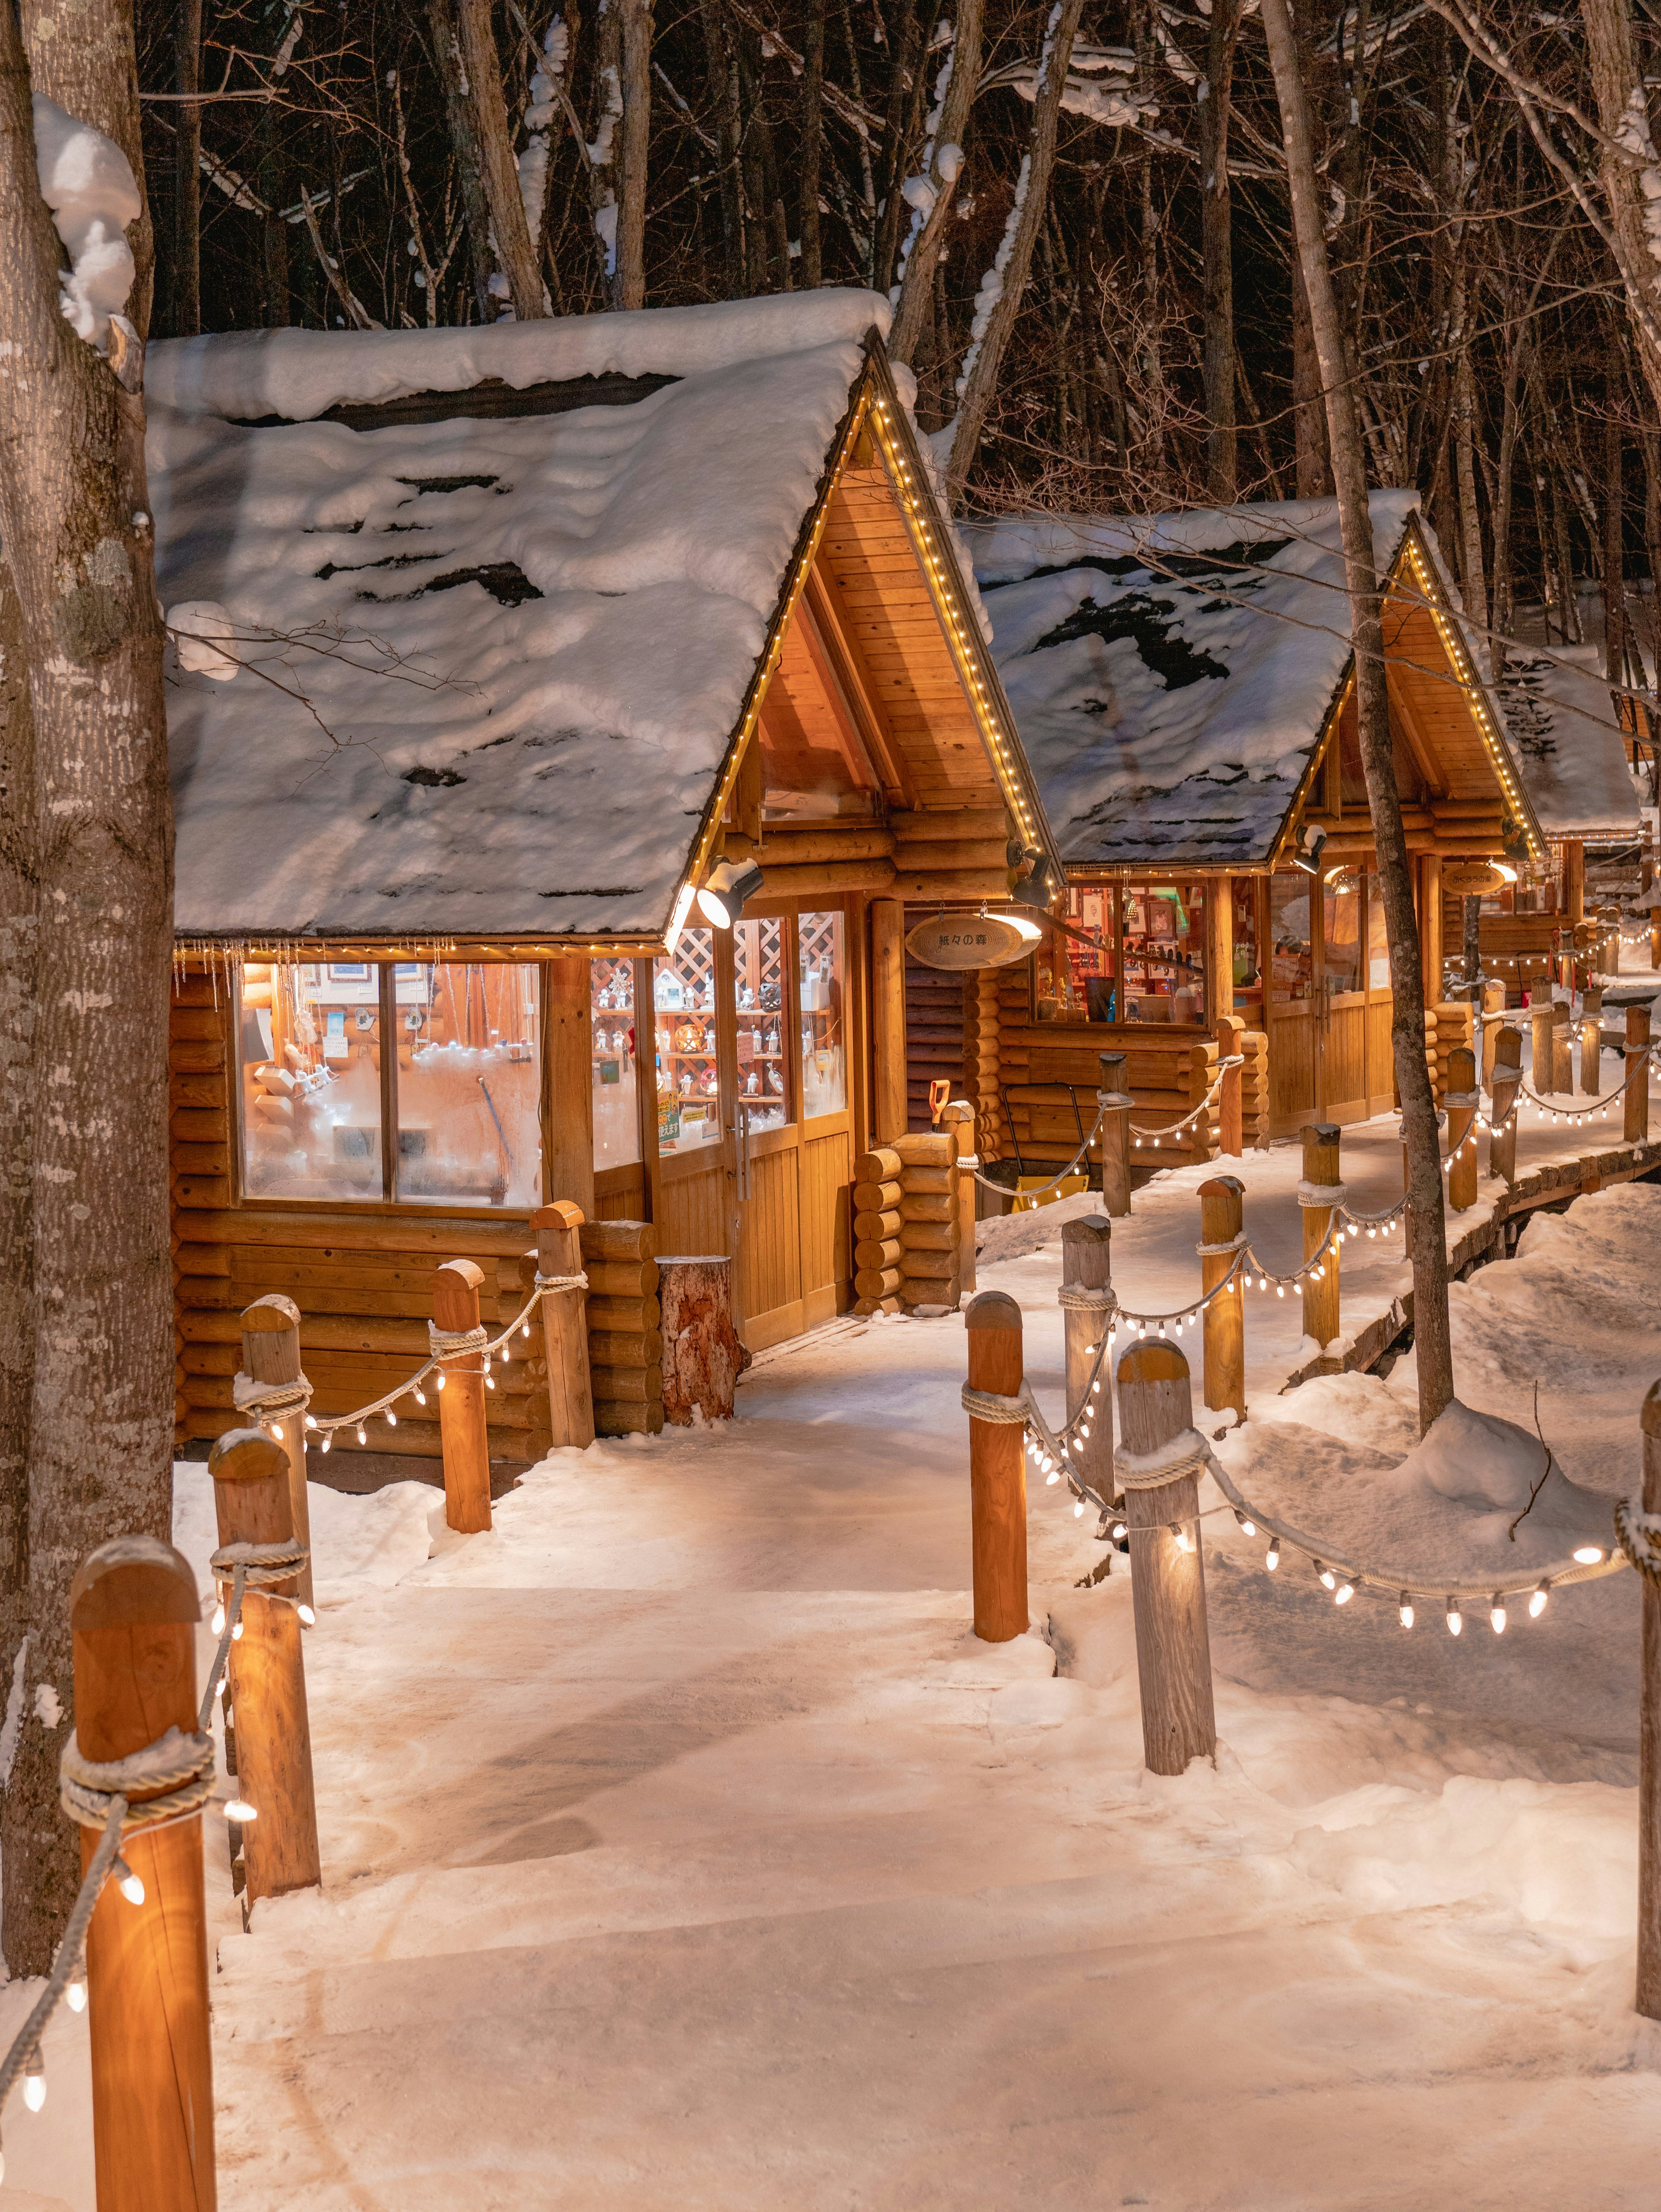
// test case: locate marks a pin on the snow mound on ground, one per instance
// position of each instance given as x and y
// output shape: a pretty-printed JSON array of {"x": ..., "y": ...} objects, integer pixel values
[{"x": 87, "y": 183}]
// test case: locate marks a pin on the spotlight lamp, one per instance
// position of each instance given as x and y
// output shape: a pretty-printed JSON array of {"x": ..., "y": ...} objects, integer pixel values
[
  {"x": 729, "y": 890},
  {"x": 1311, "y": 845}
]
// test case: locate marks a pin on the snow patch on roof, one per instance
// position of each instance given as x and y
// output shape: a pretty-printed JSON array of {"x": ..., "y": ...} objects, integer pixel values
[
  {"x": 524, "y": 643},
  {"x": 1170, "y": 674},
  {"x": 1573, "y": 757}
]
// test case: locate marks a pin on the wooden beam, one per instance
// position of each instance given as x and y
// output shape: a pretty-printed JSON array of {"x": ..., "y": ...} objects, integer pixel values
[
  {"x": 1402, "y": 712},
  {"x": 568, "y": 1141},
  {"x": 888, "y": 1103},
  {"x": 841, "y": 667}
]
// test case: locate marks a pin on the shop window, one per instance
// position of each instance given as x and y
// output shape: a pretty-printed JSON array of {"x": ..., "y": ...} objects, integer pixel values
[
  {"x": 614, "y": 1045},
  {"x": 763, "y": 1034},
  {"x": 1248, "y": 974},
  {"x": 683, "y": 1017},
  {"x": 1080, "y": 960},
  {"x": 1377, "y": 936},
  {"x": 1341, "y": 932},
  {"x": 824, "y": 1039},
  {"x": 463, "y": 1086},
  {"x": 1164, "y": 952},
  {"x": 468, "y": 1083},
  {"x": 1292, "y": 970}
]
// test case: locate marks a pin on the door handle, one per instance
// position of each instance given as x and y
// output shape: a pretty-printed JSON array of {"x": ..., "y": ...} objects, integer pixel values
[{"x": 743, "y": 1135}]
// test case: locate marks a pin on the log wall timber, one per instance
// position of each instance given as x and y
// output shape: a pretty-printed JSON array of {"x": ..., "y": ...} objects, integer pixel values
[
  {"x": 981, "y": 1022},
  {"x": 934, "y": 1032},
  {"x": 1169, "y": 1072}
]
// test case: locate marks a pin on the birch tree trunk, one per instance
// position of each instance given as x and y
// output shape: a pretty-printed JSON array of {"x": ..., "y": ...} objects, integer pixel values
[
  {"x": 1464, "y": 456},
  {"x": 629, "y": 290},
  {"x": 1624, "y": 111},
  {"x": 980, "y": 380},
  {"x": 1222, "y": 469},
  {"x": 915, "y": 305},
  {"x": 74, "y": 518},
  {"x": 187, "y": 287},
  {"x": 1615, "y": 505},
  {"x": 498, "y": 172},
  {"x": 812, "y": 140},
  {"x": 460, "y": 114},
  {"x": 1430, "y": 1288}
]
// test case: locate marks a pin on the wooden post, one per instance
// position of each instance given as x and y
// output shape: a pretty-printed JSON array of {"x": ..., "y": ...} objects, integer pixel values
[
  {"x": 271, "y": 1353},
  {"x": 1591, "y": 1043},
  {"x": 1462, "y": 1118},
  {"x": 1174, "y": 1646},
  {"x": 568, "y": 1141},
  {"x": 1320, "y": 1168},
  {"x": 1636, "y": 1126},
  {"x": 1088, "y": 1265},
  {"x": 1543, "y": 1067},
  {"x": 1649, "y": 1739},
  {"x": 958, "y": 1116},
  {"x": 1430, "y": 928},
  {"x": 1116, "y": 1136},
  {"x": 1494, "y": 1006},
  {"x": 997, "y": 1473},
  {"x": 1562, "y": 1052},
  {"x": 1574, "y": 878},
  {"x": 134, "y": 1613},
  {"x": 1507, "y": 1075},
  {"x": 267, "y": 1675},
  {"x": 463, "y": 1434},
  {"x": 558, "y": 1231},
  {"x": 1219, "y": 951},
  {"x": 703, "y": 1357},
  {"x": 888, "y": 1103},
  {"x": 1231, "y": 1101},
  {"x": 1222, "y": 1216}
]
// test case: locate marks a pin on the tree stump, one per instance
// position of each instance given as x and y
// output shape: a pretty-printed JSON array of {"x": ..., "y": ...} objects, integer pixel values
[{"x": 703, "y": 1357}]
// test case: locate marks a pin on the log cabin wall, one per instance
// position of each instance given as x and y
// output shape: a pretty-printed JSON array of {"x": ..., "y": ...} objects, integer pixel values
[{"x": 936, "y": 1031}]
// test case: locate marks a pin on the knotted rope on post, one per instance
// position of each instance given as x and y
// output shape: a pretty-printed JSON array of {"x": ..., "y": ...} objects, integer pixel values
[
  {"x": 1186, "y": 1453},
  {"x": 449, "y": 1344},
  {"x": 1322, "y": 1193},
  {"x": 1078, "y": 1297},
  {"x": 577, "y": 1282},
  {"x": 269, "y": 1401},
  {"x": 1024, "y": 1411},
  {"x": 1639, "y": 1534}
]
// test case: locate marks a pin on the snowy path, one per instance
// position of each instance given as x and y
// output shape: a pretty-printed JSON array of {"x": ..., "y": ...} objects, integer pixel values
[{"x": 683, "y": 1850}]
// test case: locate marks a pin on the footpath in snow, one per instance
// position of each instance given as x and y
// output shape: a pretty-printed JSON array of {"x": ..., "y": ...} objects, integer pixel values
[{"x": 683, "y": 1848}]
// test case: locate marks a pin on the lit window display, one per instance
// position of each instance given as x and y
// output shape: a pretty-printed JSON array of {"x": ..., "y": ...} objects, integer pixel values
[
  {"x": 469, "y": 1083},
  {"x": 824, "y": 1042},
  {"x": 1293, "y": 971},
  {"x": 1164, "y": 936},
  {"x": 762, "y": 1032},
  {"x": 614, "y": 1045},
  {"x": 309, "y": 1043},
  {"x": 1340, "y": 927},
  {"x": 683, "y": 1022}
]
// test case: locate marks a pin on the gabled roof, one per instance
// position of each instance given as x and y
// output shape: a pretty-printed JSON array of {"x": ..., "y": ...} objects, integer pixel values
[
  {"x": 1562, "y": 722},
  {"x": 496, "y": 662},
  {"x": 1173, "y": 677}
]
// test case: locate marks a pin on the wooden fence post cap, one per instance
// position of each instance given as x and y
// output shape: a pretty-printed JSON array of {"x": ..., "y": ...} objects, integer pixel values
[
  {"x": 1322, "y": 1132},
  {"x": 1650, "y": 1419},
  {"x": 1509, "y": 1047},
  {"x": 1218, "y": 1186},
  {"x": 246, "y": 1456},
  {"x": 272, "y": 1312},
  {"x": 1461, "y": 1057},
  {"x": 991, "y": 1309},
  {"x": 559, "y": 1213},
  {"x": 1157, "y": 1362},
  {"x": 1111, "y": 1063},
  {"x": 956, "y": 1109},
  {"x": 1088, "y": 1229},
  {"x": 450, "y": 1273},
  {"x": 133, "y": 1582},
  {"x": 1637, "y": 1023}
]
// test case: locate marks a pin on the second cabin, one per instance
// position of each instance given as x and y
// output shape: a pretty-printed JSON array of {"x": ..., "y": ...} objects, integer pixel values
[
  {"x": 564, "y": 713},
  {"x": 1184, "y": 690}
]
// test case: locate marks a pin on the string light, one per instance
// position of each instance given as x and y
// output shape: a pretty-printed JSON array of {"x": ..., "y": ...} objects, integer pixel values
[
  {"x": 1345, "y": 1591},
  {"x": 1247, "y": 1528},
  {"x": 1537, "y": 1601},
  {"x": 1455, "y": 1619},
  {"x": 1587, "y": 1555},
  {"x": 74, "y": 1992},
  {"x": 1184, "y": 1542},
  {"x": 1272, "y": 1557},
  {"x": 239, "y": 1809},
  {"x": 131, "y": 1886},
  {"x": 1329, "y": 1580},
  {"x": 1497, "y": 1615},
  {"x": 34, "y": 2082},
  {"x": 1404, "y": 1610}
]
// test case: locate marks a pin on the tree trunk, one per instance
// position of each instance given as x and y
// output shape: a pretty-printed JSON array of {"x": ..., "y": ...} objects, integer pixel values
[
  {"x": 812, "y": 141},
  {"x": 904, "y": 76},
  {"x": 940, "y": 172},
  {"x": 1313, "y": 470},
  {"x": 1614, "y": 563},
  {"x": 1505, "y": 589},
  {"x": 499, "y": 173},
  {"x": 631, "y": 287},
  {"x": 723, "y": 99},
  {"x": 274, "y": 239},
  {"x": 1222, "y": 472},
  {"x": 980, "y": 370},
  {"x": 1622, "y": 104},
  {"x": 1464, "y": 461},
  {"x": 187, "y": 285},
  {"x": 74, "y": 517},
  {"x": 1430, "y": 1288},
  {"x": 463, "y": 120}
]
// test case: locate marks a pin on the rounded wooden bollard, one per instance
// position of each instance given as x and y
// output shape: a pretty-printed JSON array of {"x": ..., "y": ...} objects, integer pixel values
[
  {"x": 1461, "y": 1121},
  {"x": 1636, "y": 1125},
  {"x": 1542, "y": 1054},
  {"x": 1173, "y": 1643},
  {"x": 997, "y": 1472},
  {"x": 1222, "y": 1218},
  {"x": 1649, "y": 1739},
  {"x": 1088, "y": 1267},
  {"x": 1320, "y": 1169},
  {"x": 134, "y": 1612},
  {"x": 1494, "y": 1007},
  {"x": 267, "y": 1675},
  {"x": 1507, "y": 1075},
  {"x": 958, "y": 1116},
  {"x": 558, "y": 1229},
  {"x": 1592, "y": 1042},
  {"x": 271, "y": 1353},
  {"x": 1116, "y": 1135},
  {"x": 462, "y": 1431},
  {"x": 1562, "y": 1050}
]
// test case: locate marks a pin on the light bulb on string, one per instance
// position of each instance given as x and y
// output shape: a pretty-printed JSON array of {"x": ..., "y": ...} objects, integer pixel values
[
  {"x": 1537, "y": 1600},
  {"x": 441, "y": 1378},
  {"x": 240, "y": 1810},
  {"x": 1455, "y": 1619},
  {"x": 1587, "y": 1555},
  {"x": 277, "y": 1431},
  {"x": 1497, "y": 1615},
  {"x": 217, "y": 1625},
  {"x": 391, "y": 1418},
  {"x": 1404, "y": 1609},
  {"x": 1272, "y": 1557},
  {"x": 1329, "y": 1580},
  {"x": 34, "y": 2082},
  {"x": 74, "y": 1990},
  {"x": 1078, "y": 1508},
  {"x": 1184, "y": 1542},
  {"x": 1247, "y": 1528},
  {"x": 362, "y": 1434},
  {"x": 131, "y": 1886},
  {"x": 421, "y": 1397},
  {"x": 328, "y": 1442}
]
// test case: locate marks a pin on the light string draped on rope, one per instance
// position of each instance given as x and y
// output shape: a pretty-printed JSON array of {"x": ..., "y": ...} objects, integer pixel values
[
  {"x": 970, "y": 1160},
  {"x": 1176, "y": 1128},
  {"x": 1639, "y": 1055},
  {"x": 1104, "y": 1101},
  {"x": 178, "y": 1772}
]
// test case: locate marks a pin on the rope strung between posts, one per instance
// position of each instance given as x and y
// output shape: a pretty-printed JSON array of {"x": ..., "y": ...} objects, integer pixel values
[
  {"x": 1176, "y": 1128},
  {"x": 178, "y": 1774},
  {"x": 1637, "y": 1055},
  {"x": 1023, "y": 1411},
  {"x": 971, "y": 1161}
]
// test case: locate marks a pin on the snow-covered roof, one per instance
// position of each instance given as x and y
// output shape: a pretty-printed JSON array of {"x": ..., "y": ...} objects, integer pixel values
[
  {"x": 1573, "y": 758},
  {"x": 491, "y": 664},
  {"x": 1171, "y": 675}
]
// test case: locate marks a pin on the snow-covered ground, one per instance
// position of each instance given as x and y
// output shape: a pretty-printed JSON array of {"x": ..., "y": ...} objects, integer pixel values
[{"x": 683, "y": 1848}]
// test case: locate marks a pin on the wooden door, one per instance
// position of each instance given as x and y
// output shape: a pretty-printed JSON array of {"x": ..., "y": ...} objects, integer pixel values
[
  {"x": 697, "y": 1165},
  {"x": 1289, "y": 964},
  {"x": 1343, "y": 1093}
]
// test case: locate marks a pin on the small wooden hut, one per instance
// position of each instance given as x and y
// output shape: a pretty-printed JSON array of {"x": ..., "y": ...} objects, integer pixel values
[
  {"x": 1185, "y": 688},
  {"x": 493, "y": 646}
]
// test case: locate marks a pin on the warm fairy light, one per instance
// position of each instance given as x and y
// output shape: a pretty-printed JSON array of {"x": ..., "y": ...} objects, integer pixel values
[
  {"x": 1497, "y": 1615},
  {"x": 1404, "y": 1610},
  {"x": 1272, "y": 1557},
  {"x": 1537, "y": 1601},
  {"x": 239, "y": 1809},
  {"x": 131, "y": 1886},
  {"x": 1455, "y": 1619},
  {"x": 1587, "y": 1555}
]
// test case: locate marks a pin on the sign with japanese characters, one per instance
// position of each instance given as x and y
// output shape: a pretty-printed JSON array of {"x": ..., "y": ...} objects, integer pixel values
[{"x": 966, "y": 940}]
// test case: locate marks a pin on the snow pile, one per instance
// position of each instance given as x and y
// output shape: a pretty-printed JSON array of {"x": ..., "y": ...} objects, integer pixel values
[
  {"x": 87, "y": 183},
  {"x": 202, "y": 636},
  {"x": 526, "y": 641},
  {"x": 1569, "y": 747}
]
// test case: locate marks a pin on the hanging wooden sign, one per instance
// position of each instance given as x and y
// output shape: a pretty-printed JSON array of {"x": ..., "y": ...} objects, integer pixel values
[
  {"x": 967, "y": 941},
  {"x": 1471, "y": 880}
]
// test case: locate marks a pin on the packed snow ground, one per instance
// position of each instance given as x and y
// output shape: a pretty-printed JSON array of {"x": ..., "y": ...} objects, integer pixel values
[{"x": 683, "y": 1848}]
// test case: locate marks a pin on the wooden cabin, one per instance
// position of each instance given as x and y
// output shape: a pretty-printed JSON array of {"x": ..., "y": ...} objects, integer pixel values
[
  {"x": 1185, "y": 689},
  {"x": 1573, "y": 749},
  {"x": 494, "y": 645}
]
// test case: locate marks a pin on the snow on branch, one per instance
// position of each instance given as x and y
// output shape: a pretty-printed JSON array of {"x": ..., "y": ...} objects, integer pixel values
[{"x": 87, "y": 183}]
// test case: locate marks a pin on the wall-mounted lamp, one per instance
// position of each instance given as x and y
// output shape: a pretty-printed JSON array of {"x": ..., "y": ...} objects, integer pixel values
[
  {"x": 729, "y": 890},
  {"x": 1314, "y": 843}
]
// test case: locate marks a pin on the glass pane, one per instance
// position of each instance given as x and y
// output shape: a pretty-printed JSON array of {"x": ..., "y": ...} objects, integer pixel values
[
  {"x": 1340, "y": 927},
  {"x": 764, "y": 1036},
  {"x": 310, "y": 1045},
  {"x": 1247, "y": 980},
  {"x": 616, "y": 1114},
  {"x": 1378, "y": 938},
  {"x": 1288, "y": 931},
  {"x": 469, "y": 1083},
  {"x": 823, "y": 1041},
  {"x": 1089, "y": 966},
  {"x": 684, "y": 1015},
  {"x": 1164, "y": 952}
]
